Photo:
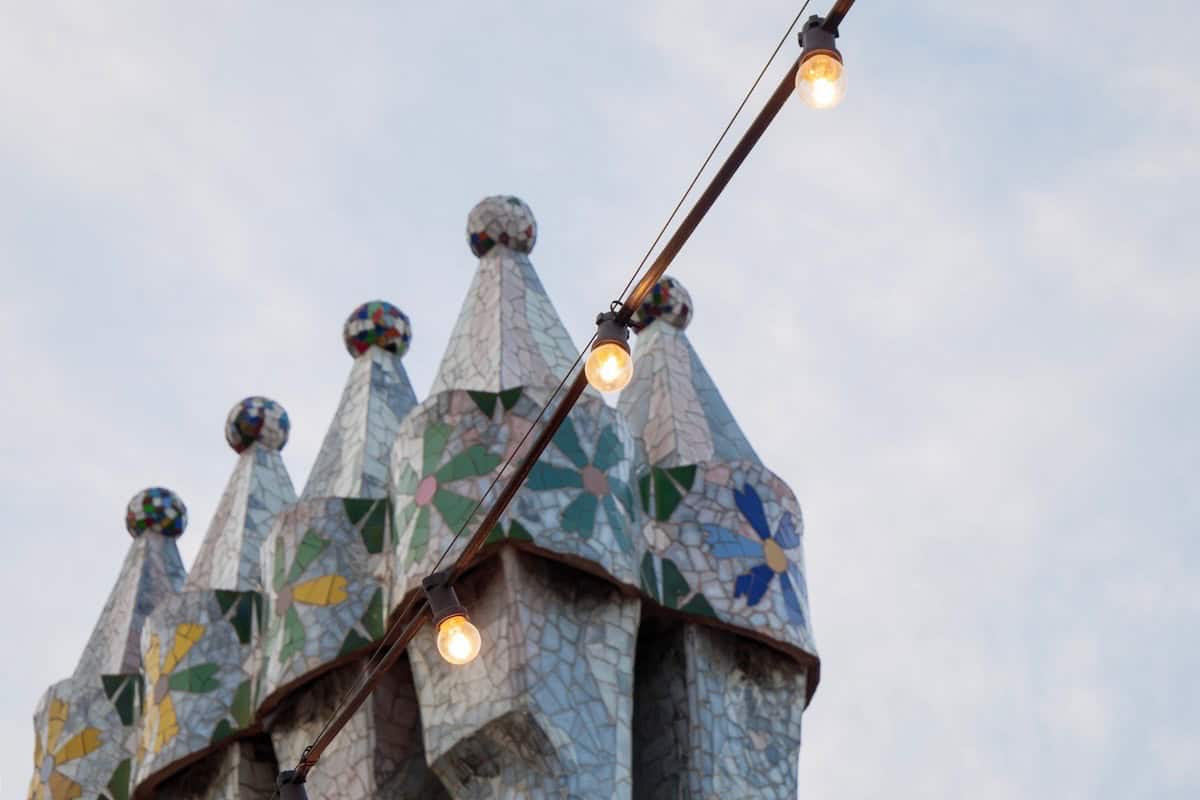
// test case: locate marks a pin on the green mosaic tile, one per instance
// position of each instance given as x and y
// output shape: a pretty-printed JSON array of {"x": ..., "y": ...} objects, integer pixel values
[
  {"x": 685, "y": 476},
  {"x": 454, "y": 508},
  {"x": 241, "y": 708},
  {"x": 666, "y": 495},
  {"x": 406, "y": 482},
  {"x": 125, "y": 693},
  {"x": 240, "y": 609},
  {"x": 649, "y": 577},
  {"x": 357, "y": 508},
  {"x": 198, "y": 679},
  {"x": 354, "y": 641},
  {"x": 226, "y": 599},
  {"x": 699, "y": 605},
  {"x": 372, "y": 618},
  {"x": 509, "y": 397},
  {"x": 404, "y": 516},
  {"x": 374, "y": 528},
  {"x": 118, "y": 784},
  {"x": 496, "y": 534},
  {"x": 436, "y": 437},
  {"x": 293, "y": 635},
  {"x": 419, "y": 541},
  {"x": 307, "y": 551},
  {"x": 486, "y": 402},
  {"x": 472, "y": 462},
  {"x": 517, "y": 531},
  {"x": 674, "y": 586},
  {"x": 223, "y": 730}
]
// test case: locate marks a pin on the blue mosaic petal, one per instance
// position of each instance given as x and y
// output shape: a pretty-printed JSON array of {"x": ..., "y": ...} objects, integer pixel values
[
  {"x": 750, "y": 504},
  {"x": 727, "y": 544},
  {"x": 786, "y": 535},
  {"x": 753, "y": 584},
  {"x": 618, "y": 523},
  {"x": 798, "y": 580},
  {"x": 622, "y": 492},
  {"x": 608, "y": 450},
  {"x": 580, "y": 515},
  {"x": 545, "y": 476},
  {"x": 795, "y": 611},
  {"x": 567, "y": 441}
]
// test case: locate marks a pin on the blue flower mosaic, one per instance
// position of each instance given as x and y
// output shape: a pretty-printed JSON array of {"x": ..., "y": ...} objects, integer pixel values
[
  {"x": 753, "y": 585},
  {"x": 591, "y": 476}
]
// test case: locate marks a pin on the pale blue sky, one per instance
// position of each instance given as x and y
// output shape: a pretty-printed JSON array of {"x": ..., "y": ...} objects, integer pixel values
[{"x": 959, "y": 315}]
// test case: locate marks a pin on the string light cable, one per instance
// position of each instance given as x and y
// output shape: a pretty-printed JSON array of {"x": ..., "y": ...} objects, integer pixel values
[{"x": 412, "y": 614}]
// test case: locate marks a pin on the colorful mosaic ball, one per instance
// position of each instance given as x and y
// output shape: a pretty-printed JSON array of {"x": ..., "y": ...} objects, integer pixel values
[
  {"x": 668, "y": 301},
  {"x": 501, "y": 220},
  {"x": 257, "y": 419},
  {"x": 377, "y": 324},
  {"x": 155, "y": 509}
]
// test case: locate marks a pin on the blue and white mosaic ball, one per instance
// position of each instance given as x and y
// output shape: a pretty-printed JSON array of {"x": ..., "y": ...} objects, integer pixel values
[
  {"x": 155, "y": 509},
  {"x": 377, "y": 323},
  {"x": 501, "y": 220},
  {"x": 667, "y": 301},
  {"x": 257, "y": 419}
]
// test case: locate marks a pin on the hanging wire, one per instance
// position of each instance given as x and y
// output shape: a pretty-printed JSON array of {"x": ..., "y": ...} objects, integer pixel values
[
  {"x": 371, "y": 664},
  {"x": 712, "y": 152},
  {"x": 636, "y": 272}
]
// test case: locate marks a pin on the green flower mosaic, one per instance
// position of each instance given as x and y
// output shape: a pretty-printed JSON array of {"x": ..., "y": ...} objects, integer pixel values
[{"x": 429, "y": 491}]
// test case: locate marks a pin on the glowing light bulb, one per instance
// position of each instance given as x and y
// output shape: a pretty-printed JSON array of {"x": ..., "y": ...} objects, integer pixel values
[
  {"x": 821, "y": 80},
  {"x": 458, "y": 640},
  {"x": 609, "y": 367}
]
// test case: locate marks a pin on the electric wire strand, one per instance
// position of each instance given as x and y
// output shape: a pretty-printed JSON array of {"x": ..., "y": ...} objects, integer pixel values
[{"x": 371, "y": 665}]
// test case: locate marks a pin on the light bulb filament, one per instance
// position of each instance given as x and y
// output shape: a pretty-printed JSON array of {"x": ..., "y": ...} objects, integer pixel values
[
  {"x": 458, "y": 641},
  {"x": 609, "y": 367},
  {"x": 820, "y": 80}
]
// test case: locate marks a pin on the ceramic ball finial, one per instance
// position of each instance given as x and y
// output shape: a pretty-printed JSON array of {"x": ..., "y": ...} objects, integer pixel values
[
  {"x": 377, "y": 323},
  {"x": 257, "y": 419},
  {"x": 503, "y": 221},
  {"x": 155, "y": 509},
  {"x": 668, "y": 301}
]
